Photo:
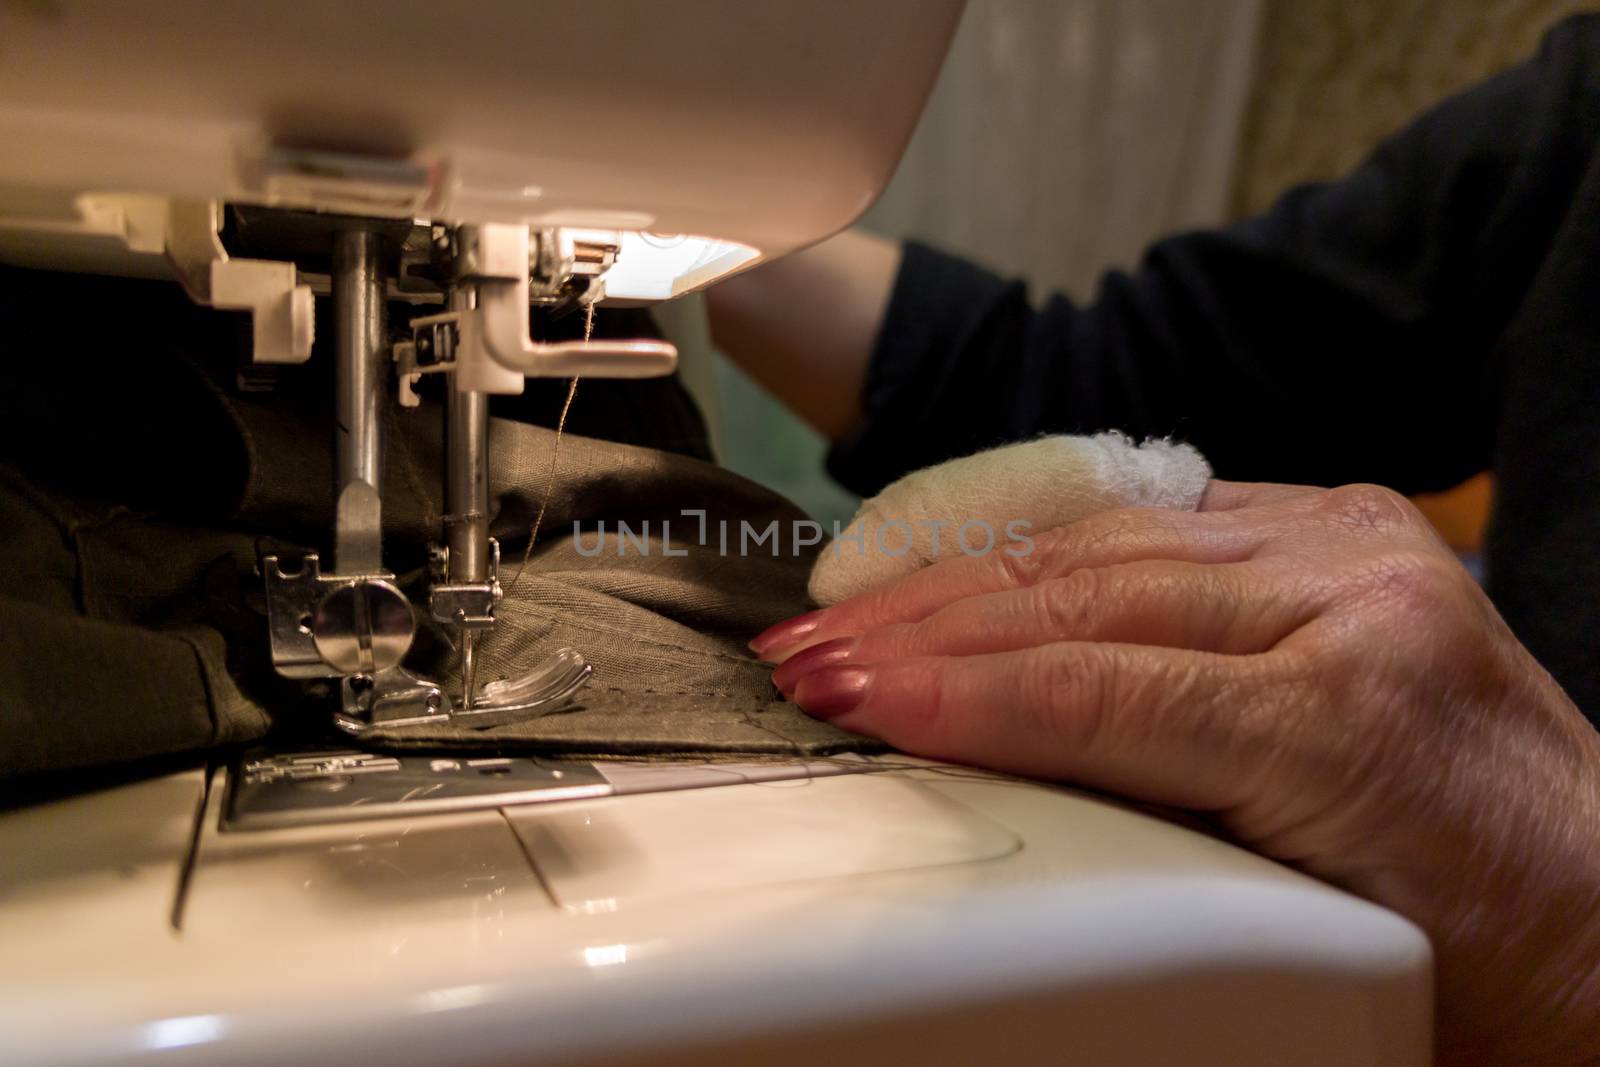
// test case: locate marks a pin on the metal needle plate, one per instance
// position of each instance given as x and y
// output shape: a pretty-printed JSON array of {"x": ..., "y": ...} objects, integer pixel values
[{"x": 268, "y": 791}]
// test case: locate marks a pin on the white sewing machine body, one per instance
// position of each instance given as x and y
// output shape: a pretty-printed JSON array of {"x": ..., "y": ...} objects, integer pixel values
[
  {"x": 758, "y": 127},
  {"x": 482, "y": 156},
  {"x": 860, "y": 918}
]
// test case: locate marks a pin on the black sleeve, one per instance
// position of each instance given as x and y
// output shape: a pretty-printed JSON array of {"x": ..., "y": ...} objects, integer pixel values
[{"x": 1347, "y": 335}]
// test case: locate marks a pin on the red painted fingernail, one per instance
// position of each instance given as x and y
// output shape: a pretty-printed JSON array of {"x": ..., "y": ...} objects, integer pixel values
[
  {"x": 786, "y": 633},
  {"x": 831, "y": 691},
  {"x": 807, "y": 660}
]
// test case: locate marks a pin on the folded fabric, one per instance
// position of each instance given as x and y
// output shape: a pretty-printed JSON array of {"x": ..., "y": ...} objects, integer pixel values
[{"x": 996, "y": 500}]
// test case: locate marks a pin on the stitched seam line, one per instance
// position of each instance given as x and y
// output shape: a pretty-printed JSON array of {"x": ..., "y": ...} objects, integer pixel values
[{"x": 612, "y": 631}]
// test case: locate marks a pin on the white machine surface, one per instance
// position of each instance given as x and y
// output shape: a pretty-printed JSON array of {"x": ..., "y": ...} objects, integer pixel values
[
  {"x": 896, "y": 916},
  {"x": 480, "y": 158}
]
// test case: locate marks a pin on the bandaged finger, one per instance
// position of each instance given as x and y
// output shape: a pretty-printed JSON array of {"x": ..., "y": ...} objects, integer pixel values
[{"x": 996, "y": 501}]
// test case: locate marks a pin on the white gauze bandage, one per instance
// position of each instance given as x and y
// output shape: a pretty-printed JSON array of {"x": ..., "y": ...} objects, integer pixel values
[{"x": 981, "y": 503}]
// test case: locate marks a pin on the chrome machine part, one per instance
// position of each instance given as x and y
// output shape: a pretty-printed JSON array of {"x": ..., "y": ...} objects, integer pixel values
[
  {"x": 292, "y": 601},
  {"x": 467, "y": 486},
  {"x": 355, "y": 624},
  {"x": 363, "y": 359},
  {"x": 508, "y": 270},
  {"x": 389, "y": 698},
  {"x": 363, "y": 627},
  {"x": 397, "y": 697},
  {"x": 272, "y": 790},
  {"x": 466, "y": 600},
  {"x": 466, "y": 569}
]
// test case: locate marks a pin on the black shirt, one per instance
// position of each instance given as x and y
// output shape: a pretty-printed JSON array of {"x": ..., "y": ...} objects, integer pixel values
[{"x": 1433, "y": 314}]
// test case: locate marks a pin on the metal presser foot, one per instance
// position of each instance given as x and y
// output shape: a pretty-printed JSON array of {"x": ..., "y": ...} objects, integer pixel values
[
  {"x": 355, "y": 624},
  {"x": 359, "y": 628},
  {"x": 397, "y": 698}
]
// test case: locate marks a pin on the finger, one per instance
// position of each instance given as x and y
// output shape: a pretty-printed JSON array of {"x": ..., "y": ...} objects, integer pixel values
[
  {"x": 1123, "y": 536},
  {"x": 1163, "y": 725},
  {"x": 1231, "y": 496},
  {"x": 1234, "y": 608}
]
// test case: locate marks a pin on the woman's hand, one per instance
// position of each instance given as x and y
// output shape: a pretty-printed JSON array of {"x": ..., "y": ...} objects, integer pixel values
[{"x": 1311, "y": 668}]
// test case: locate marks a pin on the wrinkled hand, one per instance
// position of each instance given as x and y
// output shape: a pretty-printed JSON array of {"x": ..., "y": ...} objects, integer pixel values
[{"x": 1311, "y": 668}]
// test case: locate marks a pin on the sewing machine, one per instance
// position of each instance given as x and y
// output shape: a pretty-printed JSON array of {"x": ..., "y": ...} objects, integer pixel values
[
  {"x": 262, "y": 157},
  {"x": 345, "y": 906}
]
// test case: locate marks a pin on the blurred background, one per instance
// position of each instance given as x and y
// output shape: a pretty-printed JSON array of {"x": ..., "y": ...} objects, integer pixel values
[{"x": 1066, "y": 135}]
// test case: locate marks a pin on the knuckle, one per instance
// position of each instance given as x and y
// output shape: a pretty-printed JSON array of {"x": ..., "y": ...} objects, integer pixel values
[
  {"x": 1024, "y": 569},
  {"x": 1065, "y": 607},
  {"x": 1366, "y": 508}
]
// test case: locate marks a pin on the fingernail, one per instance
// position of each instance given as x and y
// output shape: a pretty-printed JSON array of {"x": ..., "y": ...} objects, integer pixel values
[
  {"x": 785, "y": 634},
  {"x": 807, "y": 660},
  {"x": 831, "y": 691}
]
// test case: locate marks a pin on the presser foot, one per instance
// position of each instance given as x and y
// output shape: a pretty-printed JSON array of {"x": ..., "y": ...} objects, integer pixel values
[
  {"x": 396, "y": 698},
  {"x": 387, "y": 699}
]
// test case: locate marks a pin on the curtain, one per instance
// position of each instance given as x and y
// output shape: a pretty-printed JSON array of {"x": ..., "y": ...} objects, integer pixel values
[{"x": 1062, "y": 137}]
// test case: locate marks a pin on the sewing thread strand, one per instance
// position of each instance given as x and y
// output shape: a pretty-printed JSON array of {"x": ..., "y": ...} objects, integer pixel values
[{"x": 555, "y": 457}]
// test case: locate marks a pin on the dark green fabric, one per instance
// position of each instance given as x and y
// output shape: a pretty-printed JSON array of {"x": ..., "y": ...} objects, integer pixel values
[
  {"x": 139, "y": 487},
  {"x": 611, "y": 721}
]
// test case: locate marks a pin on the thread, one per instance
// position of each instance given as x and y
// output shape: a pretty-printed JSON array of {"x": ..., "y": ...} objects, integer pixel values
[{"x": 555, "y": 458}]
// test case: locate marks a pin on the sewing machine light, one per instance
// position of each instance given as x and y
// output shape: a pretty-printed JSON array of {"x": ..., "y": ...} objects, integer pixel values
[{"x": 653, "y": 267}]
